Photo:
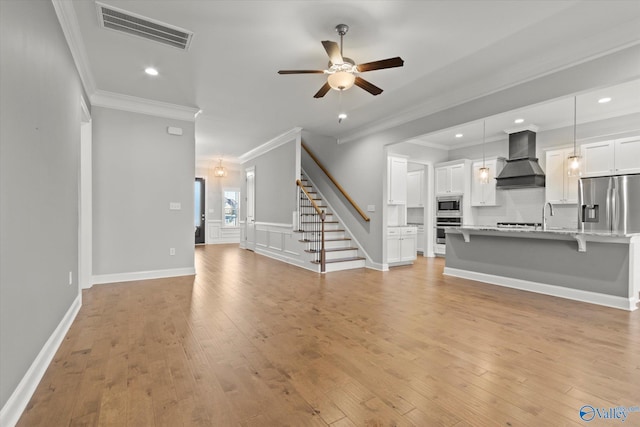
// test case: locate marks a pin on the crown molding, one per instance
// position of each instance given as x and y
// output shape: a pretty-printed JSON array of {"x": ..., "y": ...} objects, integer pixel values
[
  {"x": 69, "y": 22},
  {"x": 117, "y": 101},
  {"x": 416, "y": 141},
  {"x": 294, "y": 133}
]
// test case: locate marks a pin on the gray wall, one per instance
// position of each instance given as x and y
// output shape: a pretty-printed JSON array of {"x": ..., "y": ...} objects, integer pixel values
[
  {"x": 275, "y": 184},
  {"x": 39, "y": 162},
  {"x": 138, "y": 169}
]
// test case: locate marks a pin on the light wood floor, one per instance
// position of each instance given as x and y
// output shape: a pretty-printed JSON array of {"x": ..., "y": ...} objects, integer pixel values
[{"x": 254, "y": 342}]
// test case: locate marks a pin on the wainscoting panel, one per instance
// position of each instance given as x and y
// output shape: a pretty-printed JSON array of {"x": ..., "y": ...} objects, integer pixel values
[
  {"x": 280, "y": 242},
  {"x": 218, "y": 234}
]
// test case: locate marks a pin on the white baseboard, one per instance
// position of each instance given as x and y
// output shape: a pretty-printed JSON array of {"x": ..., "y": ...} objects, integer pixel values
[
  {"x": 12, "y": 410},
  {"x": 376, "y": 265},
  {"x": 142, "y": 275},
  {"x": 623, "y": 303},
  {"x": 224, "y": 242}
]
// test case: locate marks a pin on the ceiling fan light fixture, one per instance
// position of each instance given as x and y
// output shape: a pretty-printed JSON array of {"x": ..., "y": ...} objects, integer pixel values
[{"x": 341, "y": 80}]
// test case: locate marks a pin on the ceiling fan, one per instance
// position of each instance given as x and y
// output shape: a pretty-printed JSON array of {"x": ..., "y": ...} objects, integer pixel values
[{"x": 343, "y": 72}]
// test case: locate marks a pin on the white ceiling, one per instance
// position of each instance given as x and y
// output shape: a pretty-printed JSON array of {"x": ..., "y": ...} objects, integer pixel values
[
  {"x": 625, "y": 99},
  {"x": 453, "y": 51}
]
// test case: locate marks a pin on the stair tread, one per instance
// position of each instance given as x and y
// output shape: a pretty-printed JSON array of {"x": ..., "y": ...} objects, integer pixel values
[
  {"x": 326, "y": 240},
  {"x": 332, "y": 250},
  {"x": 331, "y": 261},
  {"x": 315, "y": 222}
]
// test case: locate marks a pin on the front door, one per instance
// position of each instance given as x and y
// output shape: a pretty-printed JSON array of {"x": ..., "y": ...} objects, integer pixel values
[
  {"x": 199, "y": 210},
  {"x": 250, "y": 225}
]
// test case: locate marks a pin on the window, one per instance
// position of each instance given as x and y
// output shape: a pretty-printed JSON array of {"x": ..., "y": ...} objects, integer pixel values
[{"x": 231, "y": 207}]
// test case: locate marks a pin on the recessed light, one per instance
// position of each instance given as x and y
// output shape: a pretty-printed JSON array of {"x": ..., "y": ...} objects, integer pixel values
[
  {"x": 604, "y": 100},
  {"x": 151, "y": 71},
  {"x": 459, "y": 135},
  {"x": 518, "y": 121}
]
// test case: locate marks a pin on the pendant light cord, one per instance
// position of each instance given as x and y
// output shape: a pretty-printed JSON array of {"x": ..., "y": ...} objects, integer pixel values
[
  {"x": 484, "y": 133},
  {"x": 575, "y": 109}
]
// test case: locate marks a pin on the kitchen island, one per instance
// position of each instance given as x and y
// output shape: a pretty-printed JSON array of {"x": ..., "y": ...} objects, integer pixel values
[{"x": 595, "y": 267}]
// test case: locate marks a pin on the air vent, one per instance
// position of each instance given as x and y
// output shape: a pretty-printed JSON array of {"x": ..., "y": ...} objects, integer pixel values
[{"x": 130, "y": 23}]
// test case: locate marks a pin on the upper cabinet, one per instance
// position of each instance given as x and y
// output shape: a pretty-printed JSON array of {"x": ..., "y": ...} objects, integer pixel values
[
  {"x": 560, "y": 188},
  {"x": 415, "y": 189},
  {"x": 615, "y": 157},
  {"x": 450, "y": 179},
  {"x": 397, "y": 180},
  {"x": 485, "y": 194}
]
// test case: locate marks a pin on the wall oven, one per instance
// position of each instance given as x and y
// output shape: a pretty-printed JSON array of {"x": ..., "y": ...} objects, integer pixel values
[
  {"x": 449, "y": 206},
  {"x": 441, "y": 223}
]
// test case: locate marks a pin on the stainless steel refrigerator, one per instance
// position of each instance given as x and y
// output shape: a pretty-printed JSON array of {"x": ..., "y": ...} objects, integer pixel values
[{"x": 610, "y": 204}]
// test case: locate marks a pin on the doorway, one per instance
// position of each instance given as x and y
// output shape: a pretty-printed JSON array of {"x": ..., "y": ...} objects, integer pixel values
[
  {"x": 250, "y": 235},
  {"x": 199, "y": 216}
]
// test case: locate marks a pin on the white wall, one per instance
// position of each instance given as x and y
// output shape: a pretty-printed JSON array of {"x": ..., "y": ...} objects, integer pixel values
[
  {"x": 138, "y": 170},
  {"x": 39, "y": 170}
]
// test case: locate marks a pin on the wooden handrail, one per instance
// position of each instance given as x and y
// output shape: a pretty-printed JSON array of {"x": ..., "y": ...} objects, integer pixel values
[
  {"x": 315, "y": 206},
  {"x": 338, "y": 186}
]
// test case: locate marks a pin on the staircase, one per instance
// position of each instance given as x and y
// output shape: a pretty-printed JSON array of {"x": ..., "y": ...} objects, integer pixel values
[{"x": 341, "y": 253}]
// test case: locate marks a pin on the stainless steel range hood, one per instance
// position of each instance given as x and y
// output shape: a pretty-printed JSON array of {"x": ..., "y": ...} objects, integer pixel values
[{"x": 522, "y": 169}]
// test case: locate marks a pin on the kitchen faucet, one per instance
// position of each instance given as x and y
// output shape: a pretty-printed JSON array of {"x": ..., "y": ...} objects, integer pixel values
[{"x": 544, "y": 217}]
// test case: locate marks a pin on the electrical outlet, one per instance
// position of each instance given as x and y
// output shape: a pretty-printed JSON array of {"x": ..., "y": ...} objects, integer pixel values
[
  {"x": 172, "y": 251},
  {"x": 71, "y": 277}
]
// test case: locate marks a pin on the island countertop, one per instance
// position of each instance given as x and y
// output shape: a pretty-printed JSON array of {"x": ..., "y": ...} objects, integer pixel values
[
  {"x": 597, "y": 267},
  {"x": 581, "y": 237}
]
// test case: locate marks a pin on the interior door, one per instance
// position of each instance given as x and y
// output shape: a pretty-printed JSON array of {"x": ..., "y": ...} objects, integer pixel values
[
  {"x": 250, "y": 224},
  {"x": 199, "y": 210}
]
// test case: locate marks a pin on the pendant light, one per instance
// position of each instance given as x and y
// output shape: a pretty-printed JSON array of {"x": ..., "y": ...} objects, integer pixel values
[
  {"x": 484, "y": 170},
  {"x": 219, "y": 171},
  {"x": 573, "y": 161}
]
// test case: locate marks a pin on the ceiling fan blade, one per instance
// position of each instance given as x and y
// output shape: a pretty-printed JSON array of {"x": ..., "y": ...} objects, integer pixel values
[
  {"x": 369, "y": 87},
  {"x": 323, "y": 91},
  {"x": 382, "y": 64},
  {"x": 333, "y": 50},
  {"x": 300, "y": 71}
]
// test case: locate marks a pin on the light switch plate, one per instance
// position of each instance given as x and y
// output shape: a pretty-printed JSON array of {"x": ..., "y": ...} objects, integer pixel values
[
  {"x": 175, "y": 206},
  {"x": 371, "y": 208}
]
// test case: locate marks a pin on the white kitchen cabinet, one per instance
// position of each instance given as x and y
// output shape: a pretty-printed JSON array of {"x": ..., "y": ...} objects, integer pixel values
[
  {"x": 560, "y": 188},
  {"x": 598, "y": 158},
  {"x": 401, "y": 244},
  {"x": 450, "y": 179},
  {"x": 627, "y": 155},
  {"x": 397, "y": 180},
  {"x": 393, "y": 245},
  {"x": 415, "y": 189},
  {"x": 485, "y": 194},
  {"x": 615, "y": 157}
]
